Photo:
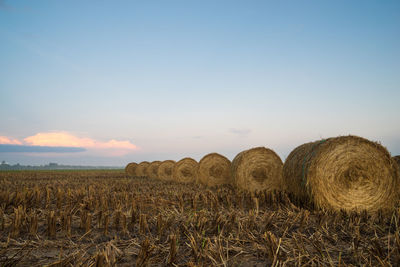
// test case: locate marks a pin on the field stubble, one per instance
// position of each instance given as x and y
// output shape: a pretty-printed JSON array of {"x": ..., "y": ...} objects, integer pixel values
[{"x": 103, "y": 218}]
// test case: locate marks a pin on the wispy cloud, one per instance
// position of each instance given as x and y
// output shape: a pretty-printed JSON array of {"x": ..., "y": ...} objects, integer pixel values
[
  {"x": 116, "y": 144},
  {"x": 240, "y": 132},
  {"x": 38, "y": 149},
  {"x": 62, "y": 139}
]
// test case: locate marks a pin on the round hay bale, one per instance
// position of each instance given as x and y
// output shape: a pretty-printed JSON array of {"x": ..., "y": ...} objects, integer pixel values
[
  {"x": 397, "y": 159},
  {"x": 141, "y": 168},
  {"x": 130, "y": 169},
  {"x": 343, "y": 173},
  {"x": 257, "y": 169},
  {"x": 214, "y": 169},
  {"x": 165, "y": 170},
  {"x": 152, "y": 169},
  {"x": 185, "y": 170}
]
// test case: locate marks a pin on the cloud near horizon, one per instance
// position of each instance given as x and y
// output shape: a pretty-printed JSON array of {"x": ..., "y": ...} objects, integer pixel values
[
  {"x": 4, "y": 140},
  {"x": 39, "y": 149},
  {"x": 64, "y": 139}
]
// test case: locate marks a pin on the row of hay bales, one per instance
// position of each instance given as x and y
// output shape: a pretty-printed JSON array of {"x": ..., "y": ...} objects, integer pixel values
[
  {"x": 341, "y": 173},
  {"x": 212, "y": 170}
]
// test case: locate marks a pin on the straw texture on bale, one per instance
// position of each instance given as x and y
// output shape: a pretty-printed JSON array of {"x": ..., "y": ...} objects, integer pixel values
[
  {"x": 152, "y": 169},
  {"x": 214, "y": 169},
  {"x": 165, "y": 170},
  {"x": 130, "y": 169},
  {"x": 343, "y": 173},
  {"x": 185, "y": 170},
  {"x": 257, "y": 169},
  {"x": 141, "y": 168},
  {"x": 397, "y": 159}
]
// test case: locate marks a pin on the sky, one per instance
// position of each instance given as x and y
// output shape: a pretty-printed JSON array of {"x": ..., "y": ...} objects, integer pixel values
[{"x": 111, "y": 82}]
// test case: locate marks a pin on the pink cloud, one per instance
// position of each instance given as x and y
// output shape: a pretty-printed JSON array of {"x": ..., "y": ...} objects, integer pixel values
[
  {"x": 58, "y": 139},
  {"x": 65, "y": 139},
  {"x": 4, "y": 140}
]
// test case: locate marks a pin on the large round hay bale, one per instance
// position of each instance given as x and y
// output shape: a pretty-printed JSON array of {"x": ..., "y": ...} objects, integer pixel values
[
  {"x": 130, "y": 169},
  {"x": 185, "y": 170},
  {"x": 141, "y": 168},
  {"x": 165, "y": 170},
  {"x": 152, "y": 169},
  {"x": 214, "y": 169},
  {"x": 257, "y": 169},
  {"x": 343, "y": 173}
]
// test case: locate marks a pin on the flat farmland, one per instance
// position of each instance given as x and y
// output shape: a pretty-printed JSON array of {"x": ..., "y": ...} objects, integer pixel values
[{"x": 104, "y": 218}]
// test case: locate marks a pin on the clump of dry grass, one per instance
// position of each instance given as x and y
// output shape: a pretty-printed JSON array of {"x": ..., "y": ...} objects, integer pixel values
[
  {"x": 152, "y": 169},
  {"x": 142, "y": 169},
  {"x": 185, "y": 170},
  {"x": 165, "y": 170},
  {"x": 214, "y": 169},
  {"x": 130, "y": 169},
  {"x": 343, "y": 173},
  {"x": 257, "y": 169}
]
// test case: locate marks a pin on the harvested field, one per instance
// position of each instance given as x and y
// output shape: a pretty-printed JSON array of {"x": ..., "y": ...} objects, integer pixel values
[
  {"x": 343, "y": 173},
  {"x": 89, "y": 218}
]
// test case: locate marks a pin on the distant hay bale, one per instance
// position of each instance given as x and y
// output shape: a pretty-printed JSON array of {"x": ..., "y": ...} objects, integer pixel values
[
  {"x": 257, "y": 169},
  {"x": 343, "y": 173},
  {"x": 141, "y": 169},
  {"x": 165, "y": 170},
  {"x": 152, "y": 169},
  {"x": 130, "y": 169},
  {"x": 214, "y": 169},
  {"x": 185, "y": 170}
]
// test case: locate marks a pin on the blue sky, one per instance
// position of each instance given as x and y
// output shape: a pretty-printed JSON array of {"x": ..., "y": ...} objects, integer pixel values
[{"x": 154, "y": 80}]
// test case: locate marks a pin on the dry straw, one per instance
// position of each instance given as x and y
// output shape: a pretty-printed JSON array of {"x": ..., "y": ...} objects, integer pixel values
[
  {"x": 185, "y": 170},
  {"x": 141, "y": 169},
  {"x": 257, "y": 169},
  {"x": 152, "y": 169},
  {"x": 397, "y": 159},
  {"x": 343, "y": 173},
  {"x": 165, "y": 170},
  {"x": 214, "y": 169},
  {"x": 130, "y": 169}
]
